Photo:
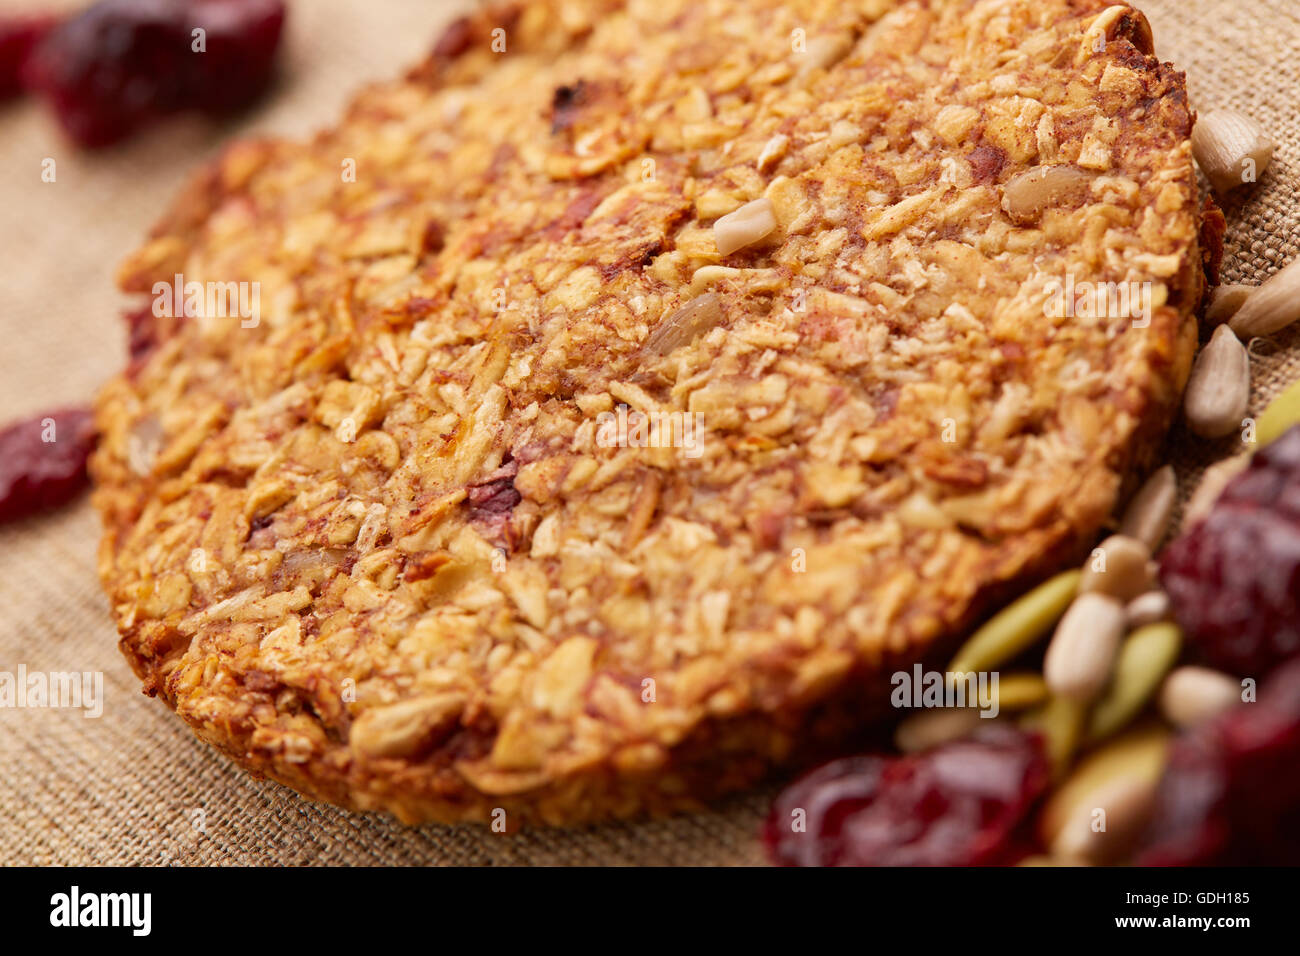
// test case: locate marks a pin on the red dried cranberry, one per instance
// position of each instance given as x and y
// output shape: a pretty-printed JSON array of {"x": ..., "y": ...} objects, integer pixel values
[
  {"x": 121, "y": 64},
  {"x": 1230, "y": 794},
  {"x": 961, "y": 804},
  {"x": 1234, "y": 578},
  {"x": 18, "y": 37},
  {"x": 43, "y": 461},
  {"x": 242, "y": 37}
]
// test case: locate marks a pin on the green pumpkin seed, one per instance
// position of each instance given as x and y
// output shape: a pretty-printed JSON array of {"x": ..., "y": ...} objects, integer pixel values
[
  {"x": 1145, "y": 658},
  {"x": 1017, "y": 626},
  {"x": 1281, "y": 414},
  {"x": 1021, "y": 691},
  {"x": 1060, "y": 721}
]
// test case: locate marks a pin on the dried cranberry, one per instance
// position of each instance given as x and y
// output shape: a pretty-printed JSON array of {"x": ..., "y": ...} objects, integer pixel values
[
  {"x": 121, "y": 64},
  {"x": 961, "y": 804},
  {"x": 18, "y": 37},
  {"x": 43, "y": 461},
  {"x": 242, "y": 36},
  {"x": 1230, "y": 794},
  {"x": 1234, "y": 577}
]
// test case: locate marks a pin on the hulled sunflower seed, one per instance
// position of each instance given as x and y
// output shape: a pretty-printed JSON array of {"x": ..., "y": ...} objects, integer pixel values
[
  {"x": 1082, "y": 653},
  {"x": 685, "y": 323},
  {"x": 1026, "y": 196},
  {"x": 748, "y": 224},
  {"x": 1147, "y": 515},
  {"x": 1147, "y": 609},
  {"x": 1226, "y": 301},
  {"x": 1017, "y": 626},
  {"x": 1097, "y": 815},
  {"x": 1281, "y": 414},
  {"x": 1144, "y": 659},
  {"x": 1231, "y": 148},
  {"x": 1119, "y": 567},
  {"x": 1272, "y": 306},
  {"x": 1191, "y": 695},
  {"x": 930, "y": 728},
  {"x": 1213, "y": 481},
  {"x": 1218, "y": 391}
]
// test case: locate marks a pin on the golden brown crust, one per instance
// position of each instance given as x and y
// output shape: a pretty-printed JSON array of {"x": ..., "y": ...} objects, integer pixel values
[{"x": 376, "y": 546}]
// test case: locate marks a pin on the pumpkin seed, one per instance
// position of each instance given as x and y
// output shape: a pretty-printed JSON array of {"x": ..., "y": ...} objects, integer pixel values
[
  {"x": 1082, "y": 653},
  {"x": 1281, "y": 414},
  {"x": 1191, "y": 695},
  {"x": 1021, "y": 691},
  {"x": 1120, "y": 570},
  {"x": 1120, "y": 780},
  {"x": 1147, "y": 515},
  {"x": 929, "y": 728},
  {"x": 1060, "y": 721},
  {"x": 1144, "y": 660},
  {"x": 1017, "y": 626}
]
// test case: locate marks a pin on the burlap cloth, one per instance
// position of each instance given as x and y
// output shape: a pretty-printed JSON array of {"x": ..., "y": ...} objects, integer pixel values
[{"x": 125, "y": 788}]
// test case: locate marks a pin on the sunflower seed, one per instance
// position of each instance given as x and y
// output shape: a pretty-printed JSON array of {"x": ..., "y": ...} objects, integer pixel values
[
  {"x": 1147, "y": 515},
  {"x": 1213, "y": 481},
  {"x": 1097, "y": 814},
  {"x": 1079, "y": 659},
  {"x": 1231, "y": 148},
  {"x": 1119, "y": 567},
  {"x": 1273, "y": 306},
  {"x": 1147, "y": 609},
  {"x": 1218, "y": 391},
  {"x": 1191, "y": 695}
]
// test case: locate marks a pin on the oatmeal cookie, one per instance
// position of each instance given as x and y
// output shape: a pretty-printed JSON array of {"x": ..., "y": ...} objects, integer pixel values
[{"x": 630, "y": 388}]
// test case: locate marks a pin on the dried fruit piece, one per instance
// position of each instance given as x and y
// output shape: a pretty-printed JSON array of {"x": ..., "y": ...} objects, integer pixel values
[
  {"x": 1017, "y": 626},
  {"x": 121, "y": 64},
  {"x": 43, "y": 461},
  {"x": 1234, "y": 577},
  {"x": 1193, "y": 695},
  {"x": 1232, "y": 785},
  {"x": 1231, "y": 148},
  {"x": 1271, "y": 307},
  {"x": 1147, "y": 515},
  {"x": 960, "y": 804},
  {"x": 1218, "y": 391},
  {"x": 1079, "y": 659},
  {"x": 18, "y": 37},
  {"x": 1144, "y": 658}
]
